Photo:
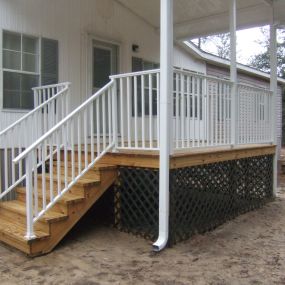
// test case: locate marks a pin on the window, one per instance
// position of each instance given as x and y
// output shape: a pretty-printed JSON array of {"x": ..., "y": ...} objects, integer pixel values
[
  {"x": 139, "y": 64},
  {"x": 192, "y": 92},
  {"x": 21, "y": 68}
]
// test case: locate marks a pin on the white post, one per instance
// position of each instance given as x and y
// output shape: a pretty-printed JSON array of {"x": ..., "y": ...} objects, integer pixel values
[
  {"x": 29, "y": 198},
  {"x": 165, "y": 120},
  {"x": 234, "y": 96},
  {"x": 273, "y": 88},
  {"x": 115, "y": 114}
]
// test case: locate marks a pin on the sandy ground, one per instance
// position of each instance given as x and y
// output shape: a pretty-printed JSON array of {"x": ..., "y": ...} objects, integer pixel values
[{"x": 247, "y": 250}]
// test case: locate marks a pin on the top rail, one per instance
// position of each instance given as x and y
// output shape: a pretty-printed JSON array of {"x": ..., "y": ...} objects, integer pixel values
[
  {"x": 34, "y": 111},
  {"x": 60, "y": 124},
  {"x": 52, "y": 86},
  {"x": 255, "y": 88},
  {"x": 137, "y": 73}
]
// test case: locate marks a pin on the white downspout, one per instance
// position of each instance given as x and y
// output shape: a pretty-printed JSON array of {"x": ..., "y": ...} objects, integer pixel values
[
  {"x": 273, "y": 88},
  {"x": 166, "y": 87}
]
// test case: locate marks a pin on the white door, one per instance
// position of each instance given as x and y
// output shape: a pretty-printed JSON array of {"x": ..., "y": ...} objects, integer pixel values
[{"x": 104, "y": 64}]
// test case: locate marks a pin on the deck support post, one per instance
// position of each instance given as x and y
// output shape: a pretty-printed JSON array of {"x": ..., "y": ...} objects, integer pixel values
[
  {"x": 165, "y": 120},
  {"x": 273, "y": 88},
  {"x": 233, "y": 73}
]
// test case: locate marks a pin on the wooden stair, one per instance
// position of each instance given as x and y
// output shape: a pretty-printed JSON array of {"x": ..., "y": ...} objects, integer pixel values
[{"x": 58, "y": 221}]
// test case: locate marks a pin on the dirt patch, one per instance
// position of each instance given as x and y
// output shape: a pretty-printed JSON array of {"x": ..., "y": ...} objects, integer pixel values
[{"x": 247, "y": 250}]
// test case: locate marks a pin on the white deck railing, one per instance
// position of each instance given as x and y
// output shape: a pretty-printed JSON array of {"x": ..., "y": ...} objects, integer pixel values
[
  {"x": 125, "y": 115},
  {"x": 201, "y": 110},
  {"x": 138, "y": 110},
  {"x": 255, "y": 114},
  {"x": 84, "y": 135},
  {"x": 28, "y": 129}
]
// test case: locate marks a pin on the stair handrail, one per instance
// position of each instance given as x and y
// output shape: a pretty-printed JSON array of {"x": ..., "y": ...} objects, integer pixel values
[
  {"x": 61, "y": 141},
  {"x": 29, "y": 114},
  {"x": 20, "y": 134}
]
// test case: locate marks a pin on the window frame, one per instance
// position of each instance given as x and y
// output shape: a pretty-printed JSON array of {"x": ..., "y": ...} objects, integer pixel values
[
  {"x": 2, "y": 69},
  {"x": 146, "y": 90}
]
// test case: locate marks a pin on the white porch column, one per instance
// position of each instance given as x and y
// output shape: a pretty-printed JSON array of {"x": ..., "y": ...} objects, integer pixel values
[
  {"x": 165, "y": 120},
  {"x": 273, "y": 88},
  {"x": 234, "y": 95}
]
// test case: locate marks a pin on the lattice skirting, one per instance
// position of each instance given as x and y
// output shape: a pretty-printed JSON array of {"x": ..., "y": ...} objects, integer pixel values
[{"x": 201, "y": 197}]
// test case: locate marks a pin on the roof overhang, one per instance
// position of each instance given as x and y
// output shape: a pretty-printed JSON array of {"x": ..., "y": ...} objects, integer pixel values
[
  {"x": 213, "y": 59},
  {"x": 194, "y": 18}
]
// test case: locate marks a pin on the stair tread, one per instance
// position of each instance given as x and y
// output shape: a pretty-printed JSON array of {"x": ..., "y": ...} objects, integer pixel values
[
  {"x": 99, "y": 166},
  {"x": 20, "y": 207},
  {"x": 67, "y": 197},
  {"x": 17, "y": 230},
  {"x": 82, "y": 181}
]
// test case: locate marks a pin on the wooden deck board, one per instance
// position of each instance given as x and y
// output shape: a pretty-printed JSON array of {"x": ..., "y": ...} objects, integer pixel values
[{"x": 191, "y": 157}]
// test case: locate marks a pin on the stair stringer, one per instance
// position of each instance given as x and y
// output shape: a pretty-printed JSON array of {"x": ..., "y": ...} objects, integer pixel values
[{"x": 75, "y": 212}]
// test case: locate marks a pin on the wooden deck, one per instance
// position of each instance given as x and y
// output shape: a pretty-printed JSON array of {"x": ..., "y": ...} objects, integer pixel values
[{"x": 192, "y": 157}]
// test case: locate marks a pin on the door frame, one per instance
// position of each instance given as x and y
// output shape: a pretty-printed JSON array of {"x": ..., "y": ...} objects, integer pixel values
[{"x": 92, "y": 38}]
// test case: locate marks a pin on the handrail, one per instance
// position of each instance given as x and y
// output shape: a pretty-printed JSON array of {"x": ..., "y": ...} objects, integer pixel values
[
  {"x": 33, "y": 111},
  {"x": 83, "y": 136},
  {"x": 176, "y": 70},
  {"x": 255, "y": 88},
  {"x": 20, "y": 134},
  {"x": 52, "y": 85},
  {"x": 61, "y": 123},
  {"x": 136, "y": 73}
]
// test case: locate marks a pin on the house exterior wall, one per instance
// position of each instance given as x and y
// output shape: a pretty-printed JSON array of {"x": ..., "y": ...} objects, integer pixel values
[
  {"x": 74, "y": 24},
  {"x": 215, "y": 70}
]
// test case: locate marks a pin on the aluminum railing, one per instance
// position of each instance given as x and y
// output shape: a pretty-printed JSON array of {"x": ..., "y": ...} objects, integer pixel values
[
  {"x": 84, "y": 135},
  {"x": 201, "y": 110},
  {"x": 138, "y": 110},
  {"x": 28, "y": 129},
  {"x": 124, "y": 114},
  {"x": 255, "y": 120}
]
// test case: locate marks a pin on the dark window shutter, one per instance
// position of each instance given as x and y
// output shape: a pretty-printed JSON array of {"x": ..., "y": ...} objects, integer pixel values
[
  {"x": 49, "y": 61},
  {"x": 137, "y": 64}
]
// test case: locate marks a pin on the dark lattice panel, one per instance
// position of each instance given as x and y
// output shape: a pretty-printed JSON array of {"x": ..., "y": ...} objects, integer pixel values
[
  {"x": 203, "y": 197},
  {"x": 136, "y": 202}
]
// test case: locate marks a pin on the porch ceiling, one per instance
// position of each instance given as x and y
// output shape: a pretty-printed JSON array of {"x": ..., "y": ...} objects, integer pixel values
[{"x": 194, "y": 18}]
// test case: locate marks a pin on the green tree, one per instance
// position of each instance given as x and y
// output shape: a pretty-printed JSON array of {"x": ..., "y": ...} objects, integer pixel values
[
  {"x": 221, "y": 43},
  {"x": 262, "y": 60}
]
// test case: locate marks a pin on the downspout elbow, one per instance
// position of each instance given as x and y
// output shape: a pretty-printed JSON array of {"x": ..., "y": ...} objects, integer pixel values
[{"x": 161, "y": 242}]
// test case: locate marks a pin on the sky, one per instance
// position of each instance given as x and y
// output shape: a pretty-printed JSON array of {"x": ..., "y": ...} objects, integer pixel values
[{"x": 247, "y": 44}]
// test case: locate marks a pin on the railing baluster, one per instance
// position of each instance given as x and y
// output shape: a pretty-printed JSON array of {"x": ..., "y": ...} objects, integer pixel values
[
  {"x": 188, "y": 110},
  {"x": 51, "y": 169},
  {"x": 98, "y": 126},
  {"x": 177, "y": 111},
  {"x": 43, "y": 149},
  {"x": 104, "y": 120},
  {"x": 85, "y": 136},
  {"x": 193, "y": 110},
  {"x": 182, "y": 112},
  {"x": 35, "y": 166},
  {"x": 150, "y": 98},
  {"x": 136, "y": 110},
  {"x": 122, "y": 113},
  {"x": 198, "y": 110},
  {"x": 79, "y": 121},
  {"x": 109, "y": 117},
  {"x": 72, "y": 126},
  {"x": 91, "y": 111},
  {"x": 143, "y": 110},
  {"x": 129, "y": 110},
  {"x": 158, "y": 110}
]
